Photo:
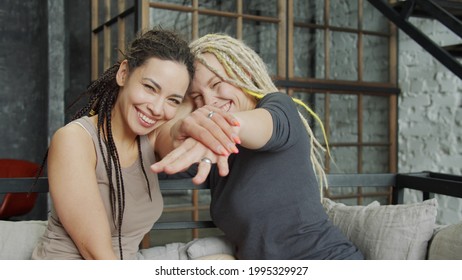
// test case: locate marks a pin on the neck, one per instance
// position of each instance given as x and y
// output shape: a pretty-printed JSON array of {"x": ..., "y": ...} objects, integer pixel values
[{"x": 124, "y": 138}]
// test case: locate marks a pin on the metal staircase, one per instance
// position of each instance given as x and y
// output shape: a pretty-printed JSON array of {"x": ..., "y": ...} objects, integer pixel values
[{"x": 449, "y": 13}]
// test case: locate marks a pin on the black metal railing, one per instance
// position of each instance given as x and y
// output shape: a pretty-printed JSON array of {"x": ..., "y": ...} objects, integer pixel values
[
  {"x": 448, "y": 13},
  {"x": 427, "y": 182}
]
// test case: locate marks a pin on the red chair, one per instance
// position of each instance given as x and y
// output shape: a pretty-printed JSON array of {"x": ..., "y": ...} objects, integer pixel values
[{"x": 17, "y": 204}]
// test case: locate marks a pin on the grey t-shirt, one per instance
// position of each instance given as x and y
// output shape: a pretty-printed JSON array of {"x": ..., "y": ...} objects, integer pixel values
[{"x": 269, "y": 205}]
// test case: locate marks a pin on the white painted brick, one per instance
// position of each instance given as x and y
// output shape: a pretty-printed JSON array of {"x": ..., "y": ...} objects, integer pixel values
[
  {"x": 416, "y": 101},
  {"x": 430, "y": 115}
]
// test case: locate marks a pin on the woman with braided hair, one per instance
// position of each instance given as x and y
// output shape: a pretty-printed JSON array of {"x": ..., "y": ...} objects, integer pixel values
[
  {"x": 267, "y": 199},
  {"x": 104, "y": 201}
]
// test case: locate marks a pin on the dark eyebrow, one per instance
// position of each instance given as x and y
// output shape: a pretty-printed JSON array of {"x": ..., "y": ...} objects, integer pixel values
[
  {"x": 160, "y": 88},
  {"x": 153, "y": 82}
]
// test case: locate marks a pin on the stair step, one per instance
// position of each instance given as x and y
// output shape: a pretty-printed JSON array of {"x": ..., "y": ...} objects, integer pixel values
[
  {"x": 441, "y": 14},
  {"x": 455, "y": 50},
  {"x": 453, "y": 7}
]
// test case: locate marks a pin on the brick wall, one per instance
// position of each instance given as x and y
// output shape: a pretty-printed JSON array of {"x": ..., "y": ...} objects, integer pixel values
[{"x": 430, "y": 114}]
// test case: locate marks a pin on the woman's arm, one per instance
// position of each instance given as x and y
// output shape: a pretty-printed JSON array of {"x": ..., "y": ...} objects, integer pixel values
[
  {"x": 210, "y": 138},
  {"x": 252, "y": 128},
  {"x": 162, "y": 138},
  {"x": 75, "y": 193},
  {"x": 216, "y": 134},
  {"x": 255, "y": 130},
  {"x": 189, "y": 152}
]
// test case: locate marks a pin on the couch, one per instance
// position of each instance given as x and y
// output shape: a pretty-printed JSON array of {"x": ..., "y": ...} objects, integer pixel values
[
  {"x": 18, "y": 239},
  {"x": 381, "y": 232}
]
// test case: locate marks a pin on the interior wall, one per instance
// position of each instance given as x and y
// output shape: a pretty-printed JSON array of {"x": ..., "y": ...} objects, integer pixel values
[
  {"x": 44, "y": 66},
  {"x": 430, "y": 114},
  {"x": 23, "y": 79}
]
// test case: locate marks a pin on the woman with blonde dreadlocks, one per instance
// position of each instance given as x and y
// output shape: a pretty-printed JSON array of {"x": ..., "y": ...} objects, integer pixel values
[
  {"x": 104, "y": 201},
  {"x": 268, "y": 204}
]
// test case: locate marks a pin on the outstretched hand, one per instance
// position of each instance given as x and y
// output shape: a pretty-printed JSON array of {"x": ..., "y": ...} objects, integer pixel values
[
  {"x": 189, "y": 152},
  {"x": 210, "y": 126}
]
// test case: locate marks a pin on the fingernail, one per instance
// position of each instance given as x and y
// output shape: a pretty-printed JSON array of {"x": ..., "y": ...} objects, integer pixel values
[
  {"x": 222, "y": 150},
  {"x": 236, "y": 123},
  {"x": 236, "y": 139},
  {"x": 233, "y": 148}
]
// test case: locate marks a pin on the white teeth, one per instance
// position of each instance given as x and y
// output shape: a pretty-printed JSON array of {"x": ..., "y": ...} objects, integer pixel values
[
  {"x": 146, "y": 119},
  {"x": 226, "y": 107}
]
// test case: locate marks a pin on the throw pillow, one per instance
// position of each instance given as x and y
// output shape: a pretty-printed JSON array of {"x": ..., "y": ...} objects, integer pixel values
[
  {"x": 221, "y": 257},
  {"x": 447, "y": 244},
  {"x": 171, "y": 251},
  {"x": 18, "y": 239},
  {"x": 388, "y": 232},
  {"x": 207, "y": 246}
]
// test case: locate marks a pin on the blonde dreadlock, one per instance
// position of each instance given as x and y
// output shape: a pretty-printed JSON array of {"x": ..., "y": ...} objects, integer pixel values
[{"x": 247, "y": 71}]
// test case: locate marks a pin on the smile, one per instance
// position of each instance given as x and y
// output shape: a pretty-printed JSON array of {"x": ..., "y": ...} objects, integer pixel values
[
  {"x": 146, "y": 119},
  {"x": 226, "y": 107}
]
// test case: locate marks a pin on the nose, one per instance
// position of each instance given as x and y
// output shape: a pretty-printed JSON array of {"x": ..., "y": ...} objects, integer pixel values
[
  {"x": 157, "y": 106},
  {"x": 210, "y": 98}
]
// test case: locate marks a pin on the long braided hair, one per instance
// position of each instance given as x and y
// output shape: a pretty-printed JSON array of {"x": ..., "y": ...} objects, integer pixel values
[
  {"x": 103, "y": 93},
  {"x": 247, "y": 71}
]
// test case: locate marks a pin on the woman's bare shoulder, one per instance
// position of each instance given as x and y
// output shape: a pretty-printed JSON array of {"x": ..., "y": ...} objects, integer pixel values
[{"x": 73, "y": 141}]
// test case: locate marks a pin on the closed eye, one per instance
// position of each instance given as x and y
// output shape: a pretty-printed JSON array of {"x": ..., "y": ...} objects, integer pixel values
[
  {"x": 175, "y": 101},
  {"x": 197, "y": 99},
  {"x": 149, "y": 87},
  {"x": 216, "y": 84},
  {"x": 195, "y": 96}
]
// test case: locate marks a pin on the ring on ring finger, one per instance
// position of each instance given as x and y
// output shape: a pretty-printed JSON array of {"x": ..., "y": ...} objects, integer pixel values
[
  {"x": 210, "y": 115},
  {"x": 206, "y": 160}
]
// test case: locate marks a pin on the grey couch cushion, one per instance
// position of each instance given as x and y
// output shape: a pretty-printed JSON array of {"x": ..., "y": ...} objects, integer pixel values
[
  {"x": 447, "y": 243},
  {"x": 18, "y": 239},
  {"x": 388, "y": 232}
]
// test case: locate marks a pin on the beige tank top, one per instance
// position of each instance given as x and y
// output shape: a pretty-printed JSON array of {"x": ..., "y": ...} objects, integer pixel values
[{"x": 140, "y": 212}]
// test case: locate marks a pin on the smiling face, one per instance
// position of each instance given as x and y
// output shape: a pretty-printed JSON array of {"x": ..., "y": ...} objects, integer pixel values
[
  {"x": 150, "y": 94},
  {"x": 209, "y": 89}
]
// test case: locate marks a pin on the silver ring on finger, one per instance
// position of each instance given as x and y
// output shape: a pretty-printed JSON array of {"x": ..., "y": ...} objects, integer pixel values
[
  {"x": 206, "y": 160},
  {"x": 210, "y": 115}
]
